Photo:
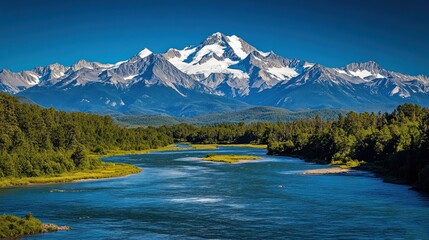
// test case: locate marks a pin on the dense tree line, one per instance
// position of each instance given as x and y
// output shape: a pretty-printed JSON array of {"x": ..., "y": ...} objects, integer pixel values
[
  {"x": 395, "y": 144},
  {"x": 35, "y": 141},
  {"x": 257, "y": 133}
]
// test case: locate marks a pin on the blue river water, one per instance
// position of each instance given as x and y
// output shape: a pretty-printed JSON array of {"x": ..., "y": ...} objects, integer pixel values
[{"x": 179, "y": 197}]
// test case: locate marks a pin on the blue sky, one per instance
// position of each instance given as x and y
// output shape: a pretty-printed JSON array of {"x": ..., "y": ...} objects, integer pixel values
[{"x": 333, "y": 33}]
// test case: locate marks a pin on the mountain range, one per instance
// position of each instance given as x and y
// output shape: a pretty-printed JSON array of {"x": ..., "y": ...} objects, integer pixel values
[{"x": 222, "y": 73}]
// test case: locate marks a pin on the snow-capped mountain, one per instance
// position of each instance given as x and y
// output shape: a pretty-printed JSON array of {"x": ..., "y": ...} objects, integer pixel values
[
  {"x": 233, "y": 67},
  {"x": 146, "y": 83},
  {"x": 357, "y": 86},
  {"x": 221, "y": 73},
  {"x": 11, "y": 82}
]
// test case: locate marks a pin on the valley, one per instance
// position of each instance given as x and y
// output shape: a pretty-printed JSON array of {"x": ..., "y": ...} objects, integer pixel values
[{"x": 226, "y": 119}]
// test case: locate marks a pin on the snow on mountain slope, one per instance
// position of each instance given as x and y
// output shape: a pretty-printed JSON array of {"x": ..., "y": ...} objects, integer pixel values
[
  {"x": 367, "y": 70},
  {"x": 236, "y": 45},
  {"x": 220, "y": 65},
  {"x": 282, "y": 73},
  {"x": 146, "y": 83},
  {"x": 381, "y": 81},
  {"x": 144, "y": 53},
  {"x": 13, "y": 83},
  {"x": 223, "y": 64},
  {"x": 214, "y": 55}
]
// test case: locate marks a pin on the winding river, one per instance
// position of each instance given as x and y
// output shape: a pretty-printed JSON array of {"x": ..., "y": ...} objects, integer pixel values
[{"x": 178, "y": 197}]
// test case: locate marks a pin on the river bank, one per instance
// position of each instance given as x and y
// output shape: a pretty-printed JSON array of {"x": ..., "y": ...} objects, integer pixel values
[
  {"x": 12, "y": 227},
  {"x": 179, "y": 196},
  {"x": 230, "y": 158},
  {"x": 322, "y": 171},
  {"x": 367, "y": 167},
  {"x": 106, "y": 170},
  {"x": 210, "y": 146}
]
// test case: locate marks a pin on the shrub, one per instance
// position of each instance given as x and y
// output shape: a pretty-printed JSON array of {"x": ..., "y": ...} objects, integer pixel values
[{"x": 13, "y": 226}]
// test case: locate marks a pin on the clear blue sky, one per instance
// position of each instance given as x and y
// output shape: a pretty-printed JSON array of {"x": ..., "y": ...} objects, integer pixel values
[{"x": 332, "y": 33}]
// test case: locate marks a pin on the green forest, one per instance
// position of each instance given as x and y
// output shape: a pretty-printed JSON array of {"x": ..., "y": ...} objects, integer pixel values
[
  {"x": 35, "y": 141},
  {"x": 395, "y": 145}
]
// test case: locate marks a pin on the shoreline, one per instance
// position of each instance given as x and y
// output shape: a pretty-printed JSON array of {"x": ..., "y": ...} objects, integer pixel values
[
  {"x": 370, "y": 168},
  {"x": 230, "y": 159},
  {"x": 173, "y": 147},
  {"x": 235, "y": 162},
  {"x": 50, "y": 227},
  {"x": 15, "y": 227},
  {"x": 106, "y": 171},
  {"x": 326, "y": 171},
  {"x": 117, "y": 153},
  {"x": 212, "y": 146}
]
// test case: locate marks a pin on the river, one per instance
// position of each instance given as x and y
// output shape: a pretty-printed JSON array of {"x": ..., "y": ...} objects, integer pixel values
[{"x": 178, "y": 197}]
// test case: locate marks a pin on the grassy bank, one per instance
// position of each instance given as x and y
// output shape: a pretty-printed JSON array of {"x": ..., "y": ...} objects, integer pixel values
[
  {"x": 106, "y": 170},
  {"x": 261, "y": 146},
  {"x": 229, "y": 158},
  {"x": 110, "y": 170},
  {"x": 173, "y": 147},
  {"x": 111, "y": 153},
  {"x": 12, "y": 227},
  {"x": 214, "y": 146}
]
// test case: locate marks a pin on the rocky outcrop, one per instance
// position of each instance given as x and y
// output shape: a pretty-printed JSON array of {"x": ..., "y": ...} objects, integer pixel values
[{"x": 49, "y": 227}]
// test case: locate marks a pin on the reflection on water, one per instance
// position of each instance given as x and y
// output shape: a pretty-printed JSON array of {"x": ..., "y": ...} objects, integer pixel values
[{"x": 177, "y": 196}]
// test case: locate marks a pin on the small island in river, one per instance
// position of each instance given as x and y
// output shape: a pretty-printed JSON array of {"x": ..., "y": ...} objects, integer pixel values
[
  {"x": 13, "y": 226},
  {"x": 322, "y": 171},
  {"x": 229, "y": 158}
]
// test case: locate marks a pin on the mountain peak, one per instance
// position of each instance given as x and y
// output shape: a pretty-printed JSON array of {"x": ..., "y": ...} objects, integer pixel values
[
  {"x": 317, "y": 66},
  {"x": 366, "y": 70},
  {"x": 144, "y": 53},
  {"x": 217, "y": 34},
  {"x": 369, "y": 65},
  {"x": 216, "y": 37},
  {"x": 81, "y": 61},
  {"x": 55, "y": 65},
  {"x": 82, "y": 64},
  {"x": 371, "y": 62}
]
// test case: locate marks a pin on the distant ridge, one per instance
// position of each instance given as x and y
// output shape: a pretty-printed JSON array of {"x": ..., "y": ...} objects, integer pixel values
[{"x": 249, "y": 115}]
